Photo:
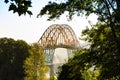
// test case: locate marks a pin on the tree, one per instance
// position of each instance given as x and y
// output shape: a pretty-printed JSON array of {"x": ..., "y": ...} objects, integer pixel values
[
  {"x": 19, "y": 6},
  {"x": 53, "y": 77},
  {"x": 35, "y": 67},
  {"x": 12, "y": 56},
  {"x": 103, "y": 51},
  {"x": 99, "y": 7},
  {"x": 104, "y": 37},
  {"x": 78, "y": 68},
  {"x": 90, "y": 74},
  {"x": 72, "y": 70},
  {"x": 107, "y": 11},
  {"x": 103, "y": 55}
]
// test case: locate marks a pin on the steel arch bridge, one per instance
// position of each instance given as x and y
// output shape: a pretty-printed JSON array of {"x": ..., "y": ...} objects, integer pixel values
[{"x": 58, "y": 36}]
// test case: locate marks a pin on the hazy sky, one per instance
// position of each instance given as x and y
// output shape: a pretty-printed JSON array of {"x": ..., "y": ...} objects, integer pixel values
[{"x": 31, "y": 28}]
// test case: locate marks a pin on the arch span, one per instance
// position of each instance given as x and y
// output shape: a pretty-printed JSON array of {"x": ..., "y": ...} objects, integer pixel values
[{"x": 59, "y": 35}]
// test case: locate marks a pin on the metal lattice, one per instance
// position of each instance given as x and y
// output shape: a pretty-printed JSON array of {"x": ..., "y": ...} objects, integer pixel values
[{"x": 59, "y": 35}]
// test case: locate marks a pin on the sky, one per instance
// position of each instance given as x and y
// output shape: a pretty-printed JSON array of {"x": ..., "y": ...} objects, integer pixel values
[{"x": 30, "y": 29}]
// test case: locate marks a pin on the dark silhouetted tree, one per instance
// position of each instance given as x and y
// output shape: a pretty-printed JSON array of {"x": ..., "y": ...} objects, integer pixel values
[
  {"x": 19, "y": 6},
  {"x": 12, "y": 56}
]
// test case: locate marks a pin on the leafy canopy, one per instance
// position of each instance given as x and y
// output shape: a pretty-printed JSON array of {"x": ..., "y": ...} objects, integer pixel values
[
  {"x": 104, "y": 36},
  {"x": 35, "y": 67},
  {"x": 12, "y": 56},
  {"x": 103, "y": 8},
  {"x": 19, "y": 6},
  {"x": 103, "y": 51},
  {"x": 103, "y": 55}
]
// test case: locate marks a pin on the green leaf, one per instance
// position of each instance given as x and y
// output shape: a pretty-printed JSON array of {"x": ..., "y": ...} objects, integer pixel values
[
  {"x": 101, "y": 36},
  {"x": 6, "y": 1},
  {"x": 12, "y": 7},
  {"x": 29, "y": 12}
]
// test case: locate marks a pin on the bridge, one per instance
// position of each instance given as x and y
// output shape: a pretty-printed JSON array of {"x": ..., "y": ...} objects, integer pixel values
[{"x": 58, "y": 39}]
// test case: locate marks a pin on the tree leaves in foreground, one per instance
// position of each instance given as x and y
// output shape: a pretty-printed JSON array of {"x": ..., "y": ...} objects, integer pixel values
[
  {"x": 12, "y": 56},
  {"x": 72, "y": 69},
  {"x": 103, "y": 55},
  {"x": 35, "y": 66},
  {"x": 107, "y": 11},
  {"x": 104, "y": 37},
  {"x": 104, "y": 51},
  {"x": 78, "y": 67},
  {"x": 19, "y": 6}
]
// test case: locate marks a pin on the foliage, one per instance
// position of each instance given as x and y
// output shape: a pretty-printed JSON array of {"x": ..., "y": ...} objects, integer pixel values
[
  {"x": 103, "y": 8},
  {"x": 53, "y": 77},
  {"x": 103, "y": 54},
  {"x": 73, "y": 68},
  {"x": 12, "y": 56},
  {"x": 19, "y": 6},
  {"x": 90, "y": 74},
  {"x": 35, "y": 67},
  {"x": 55, "y": 10},
  {"x": 107, "y": 11},
  {"x": 104, "y": 36},
  {"x": 104, "y": 51},
  {"x": 78, "y": 68}
]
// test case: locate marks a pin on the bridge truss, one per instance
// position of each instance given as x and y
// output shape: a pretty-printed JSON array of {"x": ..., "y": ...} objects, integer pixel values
[{"x": 58, "y": 36}]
